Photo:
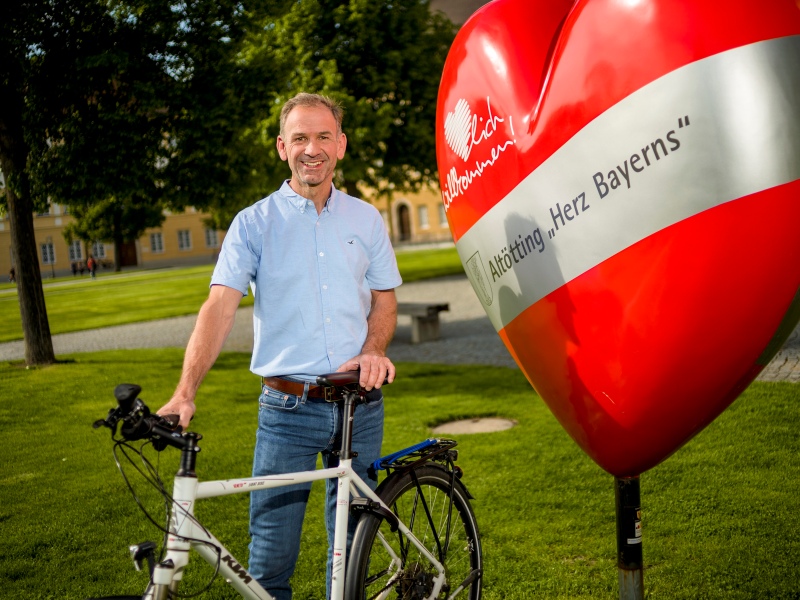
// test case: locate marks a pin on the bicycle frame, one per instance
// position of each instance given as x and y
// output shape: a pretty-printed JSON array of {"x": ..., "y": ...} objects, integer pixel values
[{"x": 186, "y": 532}]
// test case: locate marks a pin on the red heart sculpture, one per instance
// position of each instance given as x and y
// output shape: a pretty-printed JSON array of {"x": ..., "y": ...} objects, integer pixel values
[{"x": 622, "y": 180}]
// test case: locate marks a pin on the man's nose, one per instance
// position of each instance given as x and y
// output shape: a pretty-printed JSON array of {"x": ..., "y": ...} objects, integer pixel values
[{"x": 312, "y": 148}]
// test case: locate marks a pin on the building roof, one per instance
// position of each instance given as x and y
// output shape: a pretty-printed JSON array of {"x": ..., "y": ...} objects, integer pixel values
[{"x": 458, "y": 10}]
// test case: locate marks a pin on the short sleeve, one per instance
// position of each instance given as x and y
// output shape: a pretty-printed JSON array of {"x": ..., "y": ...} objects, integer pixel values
[{"x": 239, "y": 256}]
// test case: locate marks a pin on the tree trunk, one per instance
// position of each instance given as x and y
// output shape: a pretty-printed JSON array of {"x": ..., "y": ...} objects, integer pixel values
[{"x": 35, "y": 325}]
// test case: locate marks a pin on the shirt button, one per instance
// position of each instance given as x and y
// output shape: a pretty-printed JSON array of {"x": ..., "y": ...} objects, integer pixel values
[
  {"x": 324, "y": 287},
  {"x": 328, "y": 320},
  {"x": 322, "y": 254}
]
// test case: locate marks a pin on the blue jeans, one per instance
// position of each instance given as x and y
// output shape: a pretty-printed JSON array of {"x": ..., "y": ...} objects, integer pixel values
[{"x": 292, "y": 431}]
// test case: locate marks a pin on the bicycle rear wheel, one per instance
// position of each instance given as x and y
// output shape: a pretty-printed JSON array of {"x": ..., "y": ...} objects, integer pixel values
[{"x": 384, "y": 564}]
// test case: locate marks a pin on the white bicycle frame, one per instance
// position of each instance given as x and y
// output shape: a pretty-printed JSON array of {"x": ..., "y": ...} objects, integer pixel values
[{"x": 186, "y": 532}]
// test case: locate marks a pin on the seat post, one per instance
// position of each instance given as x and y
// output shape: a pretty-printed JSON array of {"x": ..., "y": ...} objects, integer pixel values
[{"x": 349, "y": 409}]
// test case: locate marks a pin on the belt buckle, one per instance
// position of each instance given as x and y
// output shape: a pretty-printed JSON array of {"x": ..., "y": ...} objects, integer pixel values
[{"x": 328, "y": 393}]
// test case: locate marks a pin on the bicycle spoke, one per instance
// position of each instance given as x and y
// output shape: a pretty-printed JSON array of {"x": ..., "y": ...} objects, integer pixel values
[{"x": 435, "y": 508}]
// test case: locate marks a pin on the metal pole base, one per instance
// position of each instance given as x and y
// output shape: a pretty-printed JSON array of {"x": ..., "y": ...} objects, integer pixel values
[
  {"x": 629, "y": 538},
  {"x": 631, "y": 585}
]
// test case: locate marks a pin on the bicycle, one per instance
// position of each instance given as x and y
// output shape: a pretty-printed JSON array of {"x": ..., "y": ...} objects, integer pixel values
[{"x": 416, "y": 537}]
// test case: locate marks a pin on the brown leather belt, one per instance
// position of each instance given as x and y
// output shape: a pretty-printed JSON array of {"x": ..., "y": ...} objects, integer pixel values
[{"x": 296, "y": 388}]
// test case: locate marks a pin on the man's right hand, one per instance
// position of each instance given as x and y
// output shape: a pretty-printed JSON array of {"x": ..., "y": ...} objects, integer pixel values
[{"x": 183, "y": 407}]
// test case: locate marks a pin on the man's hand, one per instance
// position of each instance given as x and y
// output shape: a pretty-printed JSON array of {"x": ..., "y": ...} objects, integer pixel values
[
  {"x": 183, "y": 407},
  {"x": 375, "y": 368}
]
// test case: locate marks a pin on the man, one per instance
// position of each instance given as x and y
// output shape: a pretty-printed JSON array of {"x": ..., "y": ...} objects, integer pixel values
[{"x": 323, "y": 273}]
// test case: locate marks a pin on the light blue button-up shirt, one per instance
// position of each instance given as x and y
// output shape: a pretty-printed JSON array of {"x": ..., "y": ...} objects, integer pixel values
[{"x": 312, "y": 276}]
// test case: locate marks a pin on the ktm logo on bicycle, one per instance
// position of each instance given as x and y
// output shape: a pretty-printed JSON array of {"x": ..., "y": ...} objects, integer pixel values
[{"x": 237, "y": 568}]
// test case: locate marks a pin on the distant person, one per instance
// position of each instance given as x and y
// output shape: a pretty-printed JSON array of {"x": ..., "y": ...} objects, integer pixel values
[
  {"x": 74, "y": 269},
  {"x": 81, "y": 268},
  {"x": 91, "y": 264},
  {"x": 12, "y": 275}
]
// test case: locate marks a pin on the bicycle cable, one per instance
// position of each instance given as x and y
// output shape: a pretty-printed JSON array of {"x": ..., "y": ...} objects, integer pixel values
[{"x": 150, "y": 475}]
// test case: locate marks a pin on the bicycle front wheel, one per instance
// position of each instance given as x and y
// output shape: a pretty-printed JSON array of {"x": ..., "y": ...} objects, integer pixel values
[{"x": 385, "y": 564}]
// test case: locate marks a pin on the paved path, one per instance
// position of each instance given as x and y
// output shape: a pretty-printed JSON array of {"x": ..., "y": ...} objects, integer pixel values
[{"x": 467, "y": 336}]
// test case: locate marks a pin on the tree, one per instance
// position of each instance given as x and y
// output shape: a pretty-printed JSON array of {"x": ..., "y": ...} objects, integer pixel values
[
  {"x": 215, "y": 161},
  {"x": 383, "y": 60},
  {"x": 111, "y": 220},
  {"x": 100, "y": 106}
]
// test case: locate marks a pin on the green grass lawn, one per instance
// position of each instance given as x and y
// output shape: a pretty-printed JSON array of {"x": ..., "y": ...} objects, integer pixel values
[
  {"x": 720, "y": 516},
  {"x": 75, "y": 304}
]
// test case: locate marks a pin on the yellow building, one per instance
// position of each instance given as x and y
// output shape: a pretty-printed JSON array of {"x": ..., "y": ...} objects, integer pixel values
[
  {"x": 184, "y": 239},
  {"x": 415, "y": 218}
]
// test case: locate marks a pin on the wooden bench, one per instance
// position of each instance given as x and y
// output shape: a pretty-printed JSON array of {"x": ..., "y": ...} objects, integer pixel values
[{"x": 424, "y": 319}]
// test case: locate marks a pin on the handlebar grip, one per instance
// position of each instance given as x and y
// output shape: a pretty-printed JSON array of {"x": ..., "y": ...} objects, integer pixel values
[{"x": 167, "y": 437}]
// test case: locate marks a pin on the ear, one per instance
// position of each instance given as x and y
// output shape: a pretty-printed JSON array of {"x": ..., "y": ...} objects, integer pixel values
[
  {"x": 282, "y": 149},
  {"x": 341, "y": 146}
]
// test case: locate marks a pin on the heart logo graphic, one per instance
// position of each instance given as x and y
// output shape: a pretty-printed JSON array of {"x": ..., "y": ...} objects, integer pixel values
[
  {"x": 621, "y": 181},
  {"x": 457, "y": 129}
]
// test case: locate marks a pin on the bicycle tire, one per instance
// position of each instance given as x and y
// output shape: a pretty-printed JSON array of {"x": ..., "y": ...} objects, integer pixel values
[
  {"x": 370, "y": 574},
  {"x": 139, "y": 597}
]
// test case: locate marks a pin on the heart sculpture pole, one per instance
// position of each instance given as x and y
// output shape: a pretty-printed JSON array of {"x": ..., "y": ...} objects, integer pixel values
[{"x": 621, "y": 179}]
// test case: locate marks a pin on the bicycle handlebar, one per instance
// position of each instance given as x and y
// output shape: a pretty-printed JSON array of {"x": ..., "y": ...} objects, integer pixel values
[{"x": 136, "y": 422}]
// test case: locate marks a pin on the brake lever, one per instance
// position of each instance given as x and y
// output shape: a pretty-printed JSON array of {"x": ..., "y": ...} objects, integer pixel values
[{"x": 172, "y": 422}]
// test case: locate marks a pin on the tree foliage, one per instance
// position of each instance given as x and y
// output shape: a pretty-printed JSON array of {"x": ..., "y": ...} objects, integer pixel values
[{"x": 383, "y": 60}]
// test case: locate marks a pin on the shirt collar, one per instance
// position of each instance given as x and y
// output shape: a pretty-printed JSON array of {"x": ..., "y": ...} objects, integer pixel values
[{"x": 301, "y": 202}]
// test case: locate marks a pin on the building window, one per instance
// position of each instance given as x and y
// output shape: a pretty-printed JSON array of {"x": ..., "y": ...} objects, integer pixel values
[
  {"x": 442, "y": 216},
  {"x": 184, "y": 239},
  {"x": 75, "y": 251},
  {"x": 212, "y": 240},
  {"x": 422, "y": 216},
  {"x": 48, "y": 254},
  {"x": 156, "y": 242},
  {"x": 99, "y": 250}
]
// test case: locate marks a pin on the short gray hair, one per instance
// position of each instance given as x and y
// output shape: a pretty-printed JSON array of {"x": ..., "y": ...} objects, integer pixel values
[{"x": 309, "y": 100}]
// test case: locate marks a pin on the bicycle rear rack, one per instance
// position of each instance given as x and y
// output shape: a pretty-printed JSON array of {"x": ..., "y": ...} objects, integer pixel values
[{"x": 435, "y": 449}]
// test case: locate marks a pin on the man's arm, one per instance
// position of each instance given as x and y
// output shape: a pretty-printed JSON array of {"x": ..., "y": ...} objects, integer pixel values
[
  {"x": 381, "y": 323},
  {"x": 214, "y": 323}
]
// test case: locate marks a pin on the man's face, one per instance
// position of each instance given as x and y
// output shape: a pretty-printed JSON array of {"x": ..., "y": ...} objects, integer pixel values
[{"x": 311, "y": 145}]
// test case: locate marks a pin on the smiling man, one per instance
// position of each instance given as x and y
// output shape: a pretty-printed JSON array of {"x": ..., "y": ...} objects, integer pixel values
[{"x": 323, "y": 273}]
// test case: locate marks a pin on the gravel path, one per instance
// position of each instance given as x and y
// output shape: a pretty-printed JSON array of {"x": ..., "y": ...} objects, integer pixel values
[{"x": 467, "y": 335}]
